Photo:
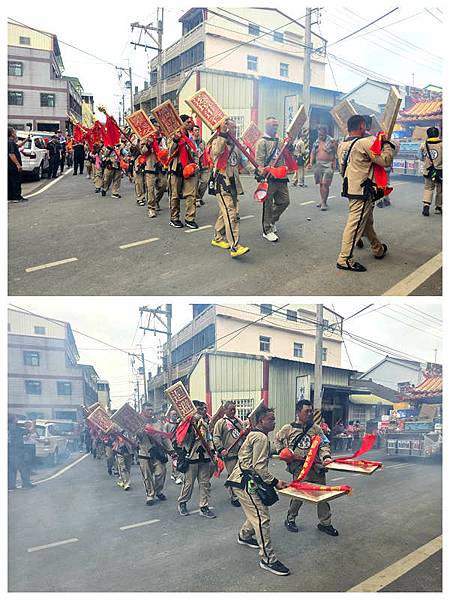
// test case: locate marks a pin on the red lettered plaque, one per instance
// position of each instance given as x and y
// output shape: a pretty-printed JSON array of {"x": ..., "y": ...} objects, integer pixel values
[
  {"x": 207, "y": 108},
  {"x": 180, "y": 400},
  {"x": 141, "y": 124},
  {"x": 168, "y": 118}
]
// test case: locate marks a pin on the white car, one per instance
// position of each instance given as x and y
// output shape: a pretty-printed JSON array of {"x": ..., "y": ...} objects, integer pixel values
[
  {"x": 50, "y": 444},
  {"x": 34, "y": 154}
]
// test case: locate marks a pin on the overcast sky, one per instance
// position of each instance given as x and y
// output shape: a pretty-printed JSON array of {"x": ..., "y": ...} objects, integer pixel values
[
  {"x": 104, "y": 31},
  {"x": 114, "y": 320}
]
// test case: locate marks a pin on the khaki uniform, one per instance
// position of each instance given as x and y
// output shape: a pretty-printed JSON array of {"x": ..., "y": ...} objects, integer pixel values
[
  {"x": 200, "y": 466},
  {"x": 254, "y": 456},
  {"x": 228, "y": 186},
  {"x": 123, "y": 453},
  {"x": 277, "y": 199},
  {"x": 435, "y": 150},
  {"x": 114, "y": 174},
  {"x": 226, "y": 432},
  {"x": 155, "y": 181},
  {"x": 98, "y": 171},
  {"x": 297, "y": 438},
  {"x": 153, "y": 470},
  {"x": 299, "y": 151},
  {"x": 181, "y": 188},
  {"x": 203, "y": 174},
  {"x": 359, "y": 170}
]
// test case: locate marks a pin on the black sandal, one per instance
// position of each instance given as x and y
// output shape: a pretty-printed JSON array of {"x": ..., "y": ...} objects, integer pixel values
[
  {"x": 356, "y": 266},
  {"x": 384, "y": 252}
]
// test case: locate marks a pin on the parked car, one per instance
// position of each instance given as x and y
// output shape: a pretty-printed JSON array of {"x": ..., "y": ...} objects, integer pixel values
[
  {"x": 34, "y": 154},
  {"x": 50, "y": 444},
  {"x": 70, "y": 430}
]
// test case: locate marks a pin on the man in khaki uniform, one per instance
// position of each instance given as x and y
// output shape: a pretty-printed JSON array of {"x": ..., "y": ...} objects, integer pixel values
[
  {"x": 152, "y": 451},
  {"x": 200, "y": 466},
  {"x": 431, "y": 151},
  {"x": 357, "y": 162},
  {"x": 99, "y": 150},
  {"x": 204, "y": 167},
  {"x": 299, "y": 155},
  {"x": 112, "y": 172},
  {"x": 228, "y": 186},
  {"x": 138, "y": 174},
  {"x": 181, "y": 187},
  {"x": 226, "y": 431},
  {"x": 277, "y": 199},
  {"x": 253, "y": 463},
  {"x": 297, "y": 437},
  {"x": 123, "y": 452}
]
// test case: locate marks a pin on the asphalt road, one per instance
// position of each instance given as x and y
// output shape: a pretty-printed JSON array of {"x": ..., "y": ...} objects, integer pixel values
[
  {"x": 388, "y": 516},
  {"x": 69, "y": 222}
]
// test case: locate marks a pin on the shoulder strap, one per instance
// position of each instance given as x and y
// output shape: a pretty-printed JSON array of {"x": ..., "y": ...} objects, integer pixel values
[
  {"x": 272, "y": 154},
  {"x": 348, "y": 156},
  {"x": 429, "y": 154},
  {"x": 298, "y": 439}
]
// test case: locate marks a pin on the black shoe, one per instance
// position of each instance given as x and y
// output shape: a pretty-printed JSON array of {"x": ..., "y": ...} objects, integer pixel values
[
  {"x": 438, "y": 210},
  {"x": 202, "y": 202},
  {"x": 386, "y": 202},
  {"x": 161, "y": 496},
  {"x": 72, "y": 174},
  {"x": 150, "y": 502},
  {"x": 380, "y": 204},
  {"x": 426, "y": 210},
  {"x": 360, "y": 244},
  {"x": 97, "y": 190},
  {"x": 329, "y": 529},
  {"x": 176, "y": 223},
  {"x": 207, "y": 512},
  {"x": 28, "y": 485},
  {"x": 109, "y": 472},
  {"x": 276, "y": 567},
  {"x": 183, "y": 510},
  {"x": 251, "y": 542},
  {"x": 191, "y": 224},
  {"x": 103, "y": 193},
  {"x": 356, "y": 266},
  {"x": 291, "y": 526},
  {"x": 235, "y": 502},
  {"x": 384, "y": 252},
  {"x": 116, "y": 196}
]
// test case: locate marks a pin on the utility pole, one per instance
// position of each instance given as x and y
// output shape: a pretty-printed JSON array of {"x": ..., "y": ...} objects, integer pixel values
[
  {"x": 131, "y": 93},
  {"x": 318, "y": 359},
  {"x": 307, "y": 64},
  {"x": 145, "y": 378},
  {"x": 158, "y": 41}
]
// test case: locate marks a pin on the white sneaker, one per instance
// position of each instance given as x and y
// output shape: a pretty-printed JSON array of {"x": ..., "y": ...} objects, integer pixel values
[
  {"x": 88, "y": 176},
  {"x": 179, "y": 481},
  {"x": 271, "y": 236}
]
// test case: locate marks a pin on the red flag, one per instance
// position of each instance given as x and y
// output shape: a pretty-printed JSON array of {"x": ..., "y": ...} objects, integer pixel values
[
  {"x": 97, "y": 132},
  {"x": 220, "y": 465},
  {"x": 381, "y": 177},
  {"x": 182, "y": 430},
  {"x": 153, "y": 431},
  {"x": 111, "y": 132},
  {"x": 366, "y": 445},
  {"x": 78, "y": 134}
]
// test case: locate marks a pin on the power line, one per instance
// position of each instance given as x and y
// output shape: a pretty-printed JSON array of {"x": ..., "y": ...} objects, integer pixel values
[
  {"x": 421, "y": 329},
  {"x": 433, "y": 15},
  {"x": 417, "y": 318},
  {"x": 364, "y": 27},
  {"x": 358, "y": 312},
  {"x": 420, "y": 312}
]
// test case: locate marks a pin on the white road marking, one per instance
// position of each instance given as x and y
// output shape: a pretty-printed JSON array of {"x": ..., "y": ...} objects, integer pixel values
[
  {"x": 52, "y": 264},
  {"x": 139, "y": 524},
  {"x": 337, "y": 478},
  {"x": 380, "y": 580},
  {"x": 392, "y": 466},
  {"x": 330, "y": 197},
  {"x": 69, "y": 541},
  {"x": 406, "y": 286},
  {"x": 49, "y": 185},
  {"x": 247, "y": 217},
  {"x": 140, "y": 243},
  {"x": 305, "y": 203},
  {"x": 66, "y": 468},
  {"x": 199, "y": 229},
  {"x": 402, "y": 466}
]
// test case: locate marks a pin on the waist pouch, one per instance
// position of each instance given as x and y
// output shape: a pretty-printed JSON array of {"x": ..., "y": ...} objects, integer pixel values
[
  {"x": 158, "y": 453},
  {"x": 265, "y": 491},
  {"x": 434, "y": 174}
]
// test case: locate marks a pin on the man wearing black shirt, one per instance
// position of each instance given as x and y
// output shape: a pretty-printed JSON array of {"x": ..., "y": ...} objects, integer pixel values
[
  {"x": 54, "y": 157},
  {"x": 15, "y": 167}
]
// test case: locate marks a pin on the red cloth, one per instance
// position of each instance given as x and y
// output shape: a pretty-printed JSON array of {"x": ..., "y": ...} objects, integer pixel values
[
  {"x": 97, "y": 132},
  {"x": 379, "y": 172},
  {"x": 111, "y": 132},
  {"x": 153, "y": 431},
  {"x": 182, "y": 430},
  {"x": 290, "y": 161},
  {"x": 223, "y": 159},
  {"x": 78, "y": 134},
  {"x": 307, "y": 487},
  {"x": 367, "y": 444},
  {"x": 220, "y": 465},
  {"x": 310, "y": 457},
  {"x": 277, "y": 172}
]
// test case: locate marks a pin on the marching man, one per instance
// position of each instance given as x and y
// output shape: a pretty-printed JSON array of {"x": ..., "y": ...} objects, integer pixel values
[
  {"x": 431, "y": 151},
  {"x": 112, "y": 172},
  {"x": 226, "y": 431},
  {"x": 123, "y": 451}
]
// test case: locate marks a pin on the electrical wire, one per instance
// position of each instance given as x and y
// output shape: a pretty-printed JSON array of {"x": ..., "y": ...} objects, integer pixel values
[
  {"x": 420, "y": 312},
  {"x": 361, "y": 28}
]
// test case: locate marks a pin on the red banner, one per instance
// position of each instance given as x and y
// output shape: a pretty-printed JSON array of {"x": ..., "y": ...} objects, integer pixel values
[
  {"x": 111, "y": 132},
  {"x": 368, "y": 441},
  {"x": 310, "y": 457},
  {"x": 308, "y": 487}
]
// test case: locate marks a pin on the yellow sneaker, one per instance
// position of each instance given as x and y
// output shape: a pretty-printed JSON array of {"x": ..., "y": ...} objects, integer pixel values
[
  {"x": 119, "y": 483},
  {"x": 224, "y": 245},
  {"x": 239, "y": 252}
]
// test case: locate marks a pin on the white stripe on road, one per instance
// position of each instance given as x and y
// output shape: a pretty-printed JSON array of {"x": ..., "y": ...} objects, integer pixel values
[
  {"x": 331, "y": 197},
  {"x": 305, "y": 203},
  {"x": 69, "y": 541},
  {"x": 140, "y": 243},
  {"x": 139, "y": 524},
  {"x": 49, "y": 185},
  {"x": 75, "y": 462},
  {"x": 337, "y": 478},
  {"x": 199, "y": 229},
  {"x": 403, "y": 466},
  {"x": 52, "y": 264},
  {"x": 386, "y": 576},
  {"x": 392, "y": 466},
  {"x": 406, "y": 286},
  {"x": 246, "y": 217}
]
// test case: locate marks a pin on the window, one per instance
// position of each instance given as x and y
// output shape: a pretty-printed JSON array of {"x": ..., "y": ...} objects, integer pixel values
[
  {"x": 298, "y": 350},
  {"x": 264, "y": 343},
  {"x": 15, "y": 98},
  {"x": 25, "y": 41},
  {"x": 15, "y": 68},
  {"x": 38, "y": 330},
  {"x": 284, "y": 70},
  {"x": 31, "y": 359},
  {"x": 48, "y": 100},
  {"x": 324, "y": 354},
  {"x": 244, "y": 406},
  {"x": 278, "y": 36},
  {"x": 266, "y": 309},
  {"x": 359, "y": 413},
  {"x": 253, "y": 29},
  {"x": 252, "y": 63},
  {"x": 291, "y": 315},
  {"x": 66, "y": 415},
  {"x": 101, "y": 387},
  {"x": 39, "y": 143},
  {"x": 64, "y": 388},
  {"x": 33, "y": 387}
]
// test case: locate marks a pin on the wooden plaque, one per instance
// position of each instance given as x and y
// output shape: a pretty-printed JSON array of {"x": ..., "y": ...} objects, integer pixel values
[
  {"x": 313, "y": 496},
  {"x": 91, "y": 408},
  {"x": 296, "y": 125},
  {"x": 99, "y": 417},
  {"x": 207, "y": 108},
  {"x": 341, "y": 113},
  {"x": 127, "y": 418},
  {"x": 251, "y": 416},
  {"x": 368, "y": 470},
  {"x": 168, "y": 118},
  {"x": 391, "y": 111},
  {"x": 251, "y": 135},
  {"x": 141, "y": 124},
  {"x": 180, "y": 400}
]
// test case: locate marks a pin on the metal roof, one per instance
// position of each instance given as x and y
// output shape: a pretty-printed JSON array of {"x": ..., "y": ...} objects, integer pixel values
[{"x": 423, "y": 110}]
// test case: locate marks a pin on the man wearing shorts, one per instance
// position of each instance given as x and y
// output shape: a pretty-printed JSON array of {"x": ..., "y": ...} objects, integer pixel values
[{"x": 323, "y": 159}]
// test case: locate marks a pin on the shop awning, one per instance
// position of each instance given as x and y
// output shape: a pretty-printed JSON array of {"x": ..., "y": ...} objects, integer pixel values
[{"x": 369, "y": 400}]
